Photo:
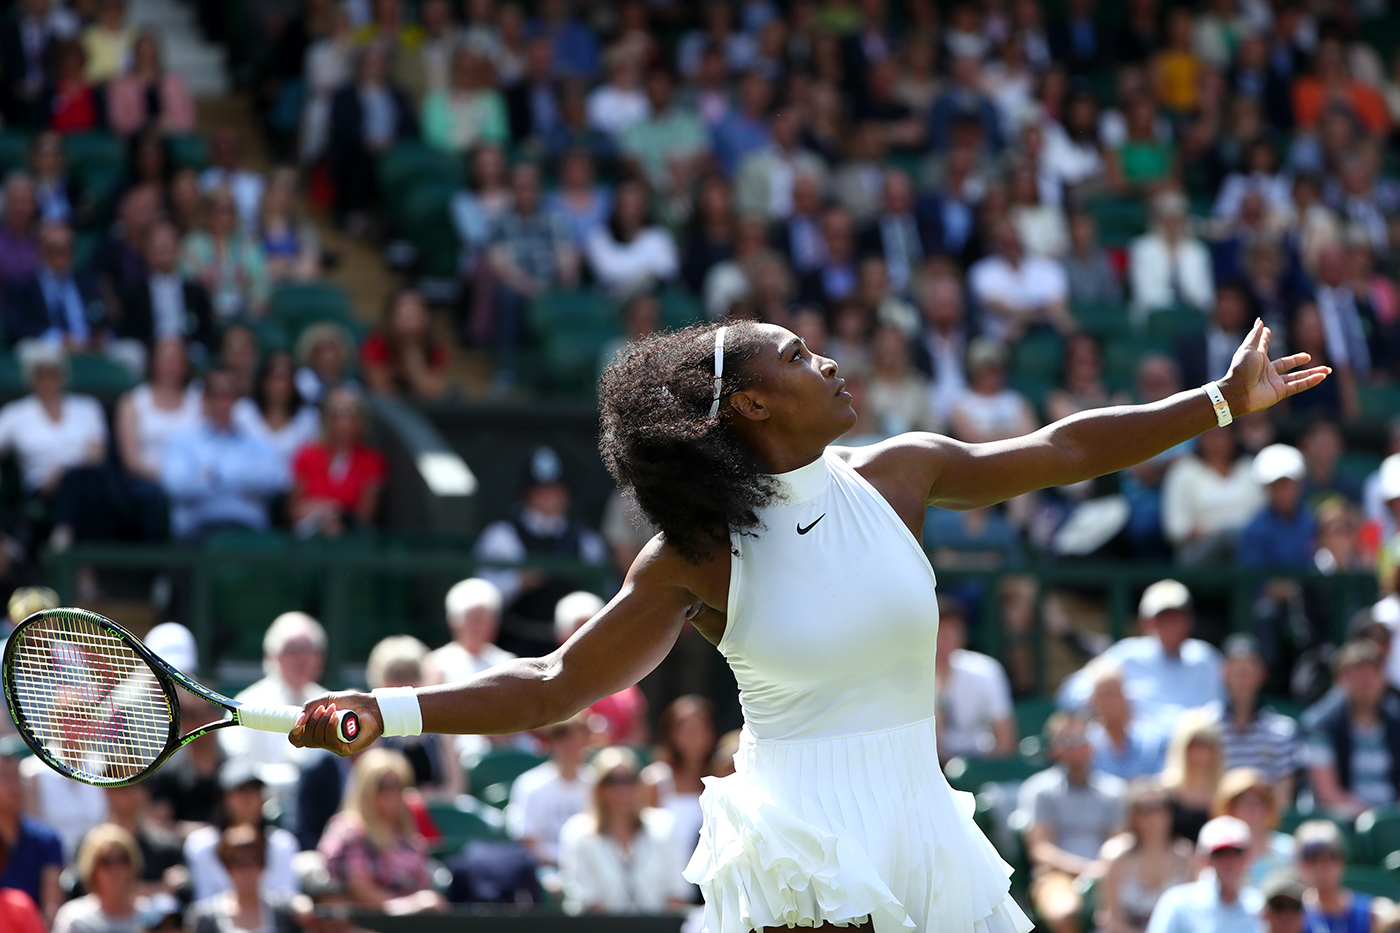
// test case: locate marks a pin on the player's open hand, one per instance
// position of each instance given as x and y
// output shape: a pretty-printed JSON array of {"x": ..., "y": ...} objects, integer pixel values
[
  {"x": 317, "y": 726},
  {"x": 1255, "y": 382}
]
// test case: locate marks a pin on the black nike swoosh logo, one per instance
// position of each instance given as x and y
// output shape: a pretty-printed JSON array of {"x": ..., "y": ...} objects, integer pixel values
[{"x": 803, "y": 531}]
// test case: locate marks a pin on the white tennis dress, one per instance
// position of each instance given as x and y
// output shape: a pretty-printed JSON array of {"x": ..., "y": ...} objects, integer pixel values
[{"x": 838, "y": 809}]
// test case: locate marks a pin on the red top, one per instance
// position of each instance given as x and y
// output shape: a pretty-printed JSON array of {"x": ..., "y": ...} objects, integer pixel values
[
  {"x": 18, "y": 913},
  {"x": 74, "y": 110},
  {"x": 363, "y": 468},
  {"x": 623, "y": 711},
  {"x": 377, "y": 352}
]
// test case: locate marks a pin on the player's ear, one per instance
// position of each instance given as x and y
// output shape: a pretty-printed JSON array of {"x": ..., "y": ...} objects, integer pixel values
[{"x": 748, "y": 406}]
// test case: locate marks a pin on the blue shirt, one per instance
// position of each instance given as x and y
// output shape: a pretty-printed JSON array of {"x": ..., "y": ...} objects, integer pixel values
[
  {"x": 67, "y": 313},
  {"x": 736, "y": 136},
  {"x": 1195, "y": 907},
  {"x": 1159, "y": 686},
  {"x": 1357, "y": 918},
  {"x": 215, "y": 476},
  {"x": 1273, "y": 540},
  {"x": 36, "y": 848},
  {"x": 1144, "y": 754}
]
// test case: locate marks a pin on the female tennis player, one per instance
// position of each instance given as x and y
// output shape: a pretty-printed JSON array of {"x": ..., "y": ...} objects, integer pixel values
[{"x": 801, "y": 562}]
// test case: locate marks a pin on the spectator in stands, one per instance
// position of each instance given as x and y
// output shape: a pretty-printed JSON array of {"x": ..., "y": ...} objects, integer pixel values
[
  {"x": 1124, "y": 745},
  {"x": 1352, "y": 736},
  {"x": 683, "y": 757},
  {"x": 619, "y": 103},
  {"x": 275, "y": 413},
  {"x": 294, "y": 655},
  {"x": 244, "y": 905},
  {"x": 1083, "y": 386},
  {"x": 671, "y": 133},
  {"x": 834, "y": 278},
  {"x": 61, "y": 196},
  {"x": 473, "y": 610},
  {"x": 1168, "y": 266},
  {"x": 990, "y": 410},
  {"x": 963, "y": 97},
  {"x": 147, "y": 95},
  {"x": 1040, "y": 223},
  {"x": 631, "y": 253},
  {"x": 183, "y": 200},
  {"x": 336, "y": 481},
  {"x": 467, "y": 112},
  {"x": 530, "y": 254},
  {"x": 372, "y": 845},
  {"x": 895, "y": 235},
  {"x": 1245, "y": 793},
  {"x": 1349, "y": 324},
  {"x": 219, "y": 476},
  {"x": 544, "y": 798},
  {"x": 108, "y": 863},
  {"x": 107, "y": 41},
  {"x": 56, "y": 303},
  {"x": 326, "y": 66},
  {"x": 476, "y": 208},
  {"x": 240, "y": 804},
  {"x": 73, "y": 104},
  {"x": 1205, "y": 354},
  {"x": 899, "y": 394},
  {"x": 1149, "y": 861},
  {"x": 532, "y": 98},
  {"x": 1253, "y": 736},
  {"x": 118, "y": 263},
  {"x": 185, "y": 792},
  {"x": 165, "y": 302},
  {"x": 1322, "y": 861},
  {"x": 398, "y": 661},
  {"x": 324, "y": 351},
  {"x": 288, "y": 237},
  {"x": 1282, "y": 533},
  {"x": 1307, "y": 333},
  {"x": 1164, "y": 670},
  {"x": 19, "y": 237},
  {"x": 27, "y": 41},
  {"x": 539, "y": 525},
  {"x": 1017, "y": 291},
  {"x": 1192, "y": 772},
  {"x": 625, "y": 711},
  {"x": 1220, "y": 901},
  {"x": 367, "y": 117},
  {"x": 227, "y": 171},
  {"x": 1140, "y": 162},
  {"x": 575, "y": 49},
  {"x": 619, "y": 856},
  {"x": 162, "y": 856},
  {"x": 229, "y": 263},
  {"x": 975, "y": 717},
  {"x": 941, "y": 346},
  {"x": 1332, "y": 85},
  {"x": 18, "y": 911},
  {"x": 1069, "y": 811},
  {"x": 767, "y": 177},
  {"x": 579, "y": 203},
  {"x": 1208, "y": 496},
  {"x": 402, "y": 357},
  {"x": 1322, "y": 446},
  {"x": 36, "y": 853},
  {"x": 744, "y": 129}
]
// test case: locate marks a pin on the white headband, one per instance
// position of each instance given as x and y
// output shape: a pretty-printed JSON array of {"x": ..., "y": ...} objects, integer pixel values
[{"x": 719, "y": 368}]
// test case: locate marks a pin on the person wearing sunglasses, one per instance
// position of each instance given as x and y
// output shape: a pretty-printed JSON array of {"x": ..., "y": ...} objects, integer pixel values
[
  {"x": 109, "y": 863},
  {"x": 1220, "y": 900},
  {"x": 243, "y": 853},
  {"x": 1283, "y": 904},
  {"x": 1329, "y": 906}
]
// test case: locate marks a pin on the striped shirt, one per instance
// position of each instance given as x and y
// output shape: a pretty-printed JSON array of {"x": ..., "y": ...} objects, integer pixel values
[{"x": 1270, "y": 742}]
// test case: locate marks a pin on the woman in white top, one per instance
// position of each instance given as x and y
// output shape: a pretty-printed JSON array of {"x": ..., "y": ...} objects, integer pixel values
[
  {"x": 990, "y": 410},
  {"x": 166, "y": 404},
  {"x": 1042, "y": 226},
  {"x": 685, "y": 750},
  {"x": 1146, "y": 860},
  {"x": 275, "y": 412},
  {"x": 1207, "y": 497},
  {"x": 619, "y": 857},
  {"x": 109, "y": 863},
  {"x": 630, "y": 254},
  {"x": 801, "y": 562}
]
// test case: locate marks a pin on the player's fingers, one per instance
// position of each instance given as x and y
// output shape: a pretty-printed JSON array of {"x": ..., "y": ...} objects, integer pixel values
[
  {"x": 1284, "y": 363},
  {"x": 316, "y": 726},
  {"x": 1252, "y": 340},
  {"x": 1264, "y": 337}
]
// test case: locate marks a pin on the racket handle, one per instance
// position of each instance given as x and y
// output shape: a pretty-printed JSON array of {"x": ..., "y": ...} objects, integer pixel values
[{"x": 283, "y": 718}]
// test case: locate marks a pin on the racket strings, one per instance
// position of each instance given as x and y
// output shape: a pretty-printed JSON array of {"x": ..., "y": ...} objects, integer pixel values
[{"x": 94, "y": 705}]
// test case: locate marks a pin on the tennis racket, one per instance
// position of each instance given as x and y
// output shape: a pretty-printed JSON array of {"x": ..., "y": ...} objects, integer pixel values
[{"x": 98, "y": 706}]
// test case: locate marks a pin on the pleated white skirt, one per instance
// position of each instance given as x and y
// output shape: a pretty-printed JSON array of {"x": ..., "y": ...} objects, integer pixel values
[{"x": 838, "y": 830}]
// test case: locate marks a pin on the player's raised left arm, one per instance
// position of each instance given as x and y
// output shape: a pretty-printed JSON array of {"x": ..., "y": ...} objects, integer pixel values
[{"x": 957, "y": 475}]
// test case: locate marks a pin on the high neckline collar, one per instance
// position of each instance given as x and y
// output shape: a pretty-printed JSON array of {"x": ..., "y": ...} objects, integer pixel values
[{"x": 804, "y": 482}]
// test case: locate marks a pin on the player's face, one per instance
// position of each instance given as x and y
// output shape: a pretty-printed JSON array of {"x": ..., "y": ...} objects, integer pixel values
[{"x": 800, "y": 389}]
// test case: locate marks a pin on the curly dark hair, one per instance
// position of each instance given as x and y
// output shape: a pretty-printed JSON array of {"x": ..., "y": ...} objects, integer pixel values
[{"x": 689, "y": 472}]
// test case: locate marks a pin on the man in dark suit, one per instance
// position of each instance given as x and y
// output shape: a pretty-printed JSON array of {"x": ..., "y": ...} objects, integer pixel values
[
  {"x": 55, "y": 303},
  {"x": 1203, "y": 355},
  {"x": 894, "y": 235},
  {"x": 532, "y": 102},
  {"x": 835, "y": 280},
  {"x": 1077, "y": 40},
  {"x": 25, "y": 41},
  {"x": 368, "y": 115},
  {"x": 799, "y": 238},
  {"x": 165, "y": 303}
]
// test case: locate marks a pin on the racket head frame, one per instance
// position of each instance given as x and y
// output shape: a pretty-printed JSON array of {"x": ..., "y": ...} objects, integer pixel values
[{"x": 167, "y": 676}]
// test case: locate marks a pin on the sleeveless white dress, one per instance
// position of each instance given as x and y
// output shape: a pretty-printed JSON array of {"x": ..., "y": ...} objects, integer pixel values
[{"x": 838, "y": 809}]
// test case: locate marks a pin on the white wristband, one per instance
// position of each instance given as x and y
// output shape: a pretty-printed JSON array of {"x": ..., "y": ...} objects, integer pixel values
[
  {"x": 1223, "y": 415},
  {"x": 398, "y": 707}
]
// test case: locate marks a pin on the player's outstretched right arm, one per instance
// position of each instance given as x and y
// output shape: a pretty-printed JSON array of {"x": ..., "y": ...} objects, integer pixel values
[{"x": 615, "y": 649}]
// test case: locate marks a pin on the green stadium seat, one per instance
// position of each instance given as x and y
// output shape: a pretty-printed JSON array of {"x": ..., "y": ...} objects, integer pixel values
[
  {"x": 425, "y": 219},
  {"x": 1169, "y": 325},
  {"x": 409, "y": 163},
  {"x": 14, "y": 150},
  {"x": 679, "y": 308},
  {"x": 1104, "y": 320},
  {"x": 1120, "y": 219},
  {"x": 1377, "y": 836},
  {"x": 970, "y": 774},
  {"x": 1039, "y": 357},
  {"x": 98, "y": 375},
  {"x": 492, "y": 775},
  {"x": 189, "y": 150},
  {"x": 567, "y": 311},
  {"x": 246, "y": 596},
  {"x": 1356, "y": 465},
  {"x": 463, "y": 821},
  {"x": 11, "y": 379},
  {"x": 1379, "y": 403},
  {"x": 1121, "y": 357},
  {"x": 90, "y": 151},
  {"x": 1374, "y": 880},
  {"x": 297, "y": 306}
]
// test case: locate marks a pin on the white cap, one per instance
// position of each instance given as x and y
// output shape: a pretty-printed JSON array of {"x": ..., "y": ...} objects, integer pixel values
[
  {"x": 1161, "y": 596},
  {"x": 1223, "y": 832},
  {"x": 1278, "y": 461},
  {"x": 174, "y": 644},
  {"x": 1390, "y": 478}
]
